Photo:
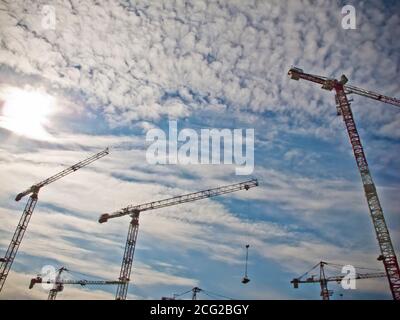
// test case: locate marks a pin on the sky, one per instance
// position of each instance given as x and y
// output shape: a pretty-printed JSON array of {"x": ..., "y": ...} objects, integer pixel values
[{"x": 111, "y": 71}]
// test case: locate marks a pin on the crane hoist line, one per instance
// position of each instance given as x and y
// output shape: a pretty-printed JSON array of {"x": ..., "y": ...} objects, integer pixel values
[
  {"x": 16, "y": 240},
  {"x": 341, "y": 89},
  {"x": 134, "y": 210}
]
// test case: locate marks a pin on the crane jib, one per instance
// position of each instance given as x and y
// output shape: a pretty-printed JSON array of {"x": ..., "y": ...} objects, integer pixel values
[
  {"x": 179, "y": 199},
  {"x": 36, "y": 187}
]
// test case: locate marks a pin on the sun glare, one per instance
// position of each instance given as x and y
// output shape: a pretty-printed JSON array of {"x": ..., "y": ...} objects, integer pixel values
[{"x": 26, "y": 112}]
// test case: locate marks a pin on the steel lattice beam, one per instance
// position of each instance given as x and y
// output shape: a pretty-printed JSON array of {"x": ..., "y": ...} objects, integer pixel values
[
  {"x": 382, "y": 232},
  {"x": 127, "y": 260},
  {"x": 179, "y": 199},
  {"x": 17, "y": 238}
]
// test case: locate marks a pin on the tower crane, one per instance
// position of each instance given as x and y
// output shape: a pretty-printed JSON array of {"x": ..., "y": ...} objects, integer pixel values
[
  {"x": 8, "y": 260},
  {"x": 59, "y": 283},
  {"x": 134, "y": 210},
  {"x": 341, "y": 89},
  {"x": 195, "y": 291},
  {"x": 323, "y": 279}
]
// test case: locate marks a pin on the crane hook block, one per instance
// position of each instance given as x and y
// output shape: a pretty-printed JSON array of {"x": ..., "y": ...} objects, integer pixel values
[{"x": 245, "y": 280}]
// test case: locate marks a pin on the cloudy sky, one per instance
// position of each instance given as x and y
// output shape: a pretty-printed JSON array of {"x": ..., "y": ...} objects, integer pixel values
[{"x": 108, "y": 71}]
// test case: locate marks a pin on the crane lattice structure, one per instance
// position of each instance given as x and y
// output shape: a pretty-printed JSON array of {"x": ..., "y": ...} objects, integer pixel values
[
  {"x": 388, "y": 255},
  {"x": 323, "y": 279},
  {"x": 195, "y": 291},
  {"x": 134, "y": 211},
  {"x": 58, "y": 283},
  {"x": 11, "y": 252}
]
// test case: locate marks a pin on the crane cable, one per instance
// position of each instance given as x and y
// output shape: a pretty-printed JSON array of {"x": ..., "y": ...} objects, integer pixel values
[
  {"x": 247, "y": 259},
  {"x": 304, "y": 274},
  {"x": 181, "y": 294},
  {"x": 210, "y": 294}
]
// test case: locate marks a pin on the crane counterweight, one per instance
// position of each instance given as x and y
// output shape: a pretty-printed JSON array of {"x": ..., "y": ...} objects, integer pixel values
[{"x": 104, "y": 218}]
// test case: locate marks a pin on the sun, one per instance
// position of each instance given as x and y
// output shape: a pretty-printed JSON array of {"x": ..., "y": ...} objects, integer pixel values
[{"x": 26, "y": 112}]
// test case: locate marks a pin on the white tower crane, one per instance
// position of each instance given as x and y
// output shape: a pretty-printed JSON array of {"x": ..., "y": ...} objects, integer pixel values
[
  {"x": 8, "y": 259},
  {"x": 134, "y": 211}
]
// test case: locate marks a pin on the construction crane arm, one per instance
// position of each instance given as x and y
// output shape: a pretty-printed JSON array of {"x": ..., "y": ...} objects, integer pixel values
[
  {"x": 297, "y": 74},
  {"x": 77, "y": 166},
  {"x": 329, "y": 84},
  {"x": 80, "y": 282},
  {"x": 358, "y": 276},
  {"x": 372, "y": 95},
  {"x": 179, "y": 199},
  {"x": 338, "y": 278}
]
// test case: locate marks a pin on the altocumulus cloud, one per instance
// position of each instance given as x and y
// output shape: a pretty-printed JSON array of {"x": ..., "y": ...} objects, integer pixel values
[{"x": 209, "y": 63}]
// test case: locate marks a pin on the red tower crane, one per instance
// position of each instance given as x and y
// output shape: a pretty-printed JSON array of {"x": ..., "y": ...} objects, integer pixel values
[
  {"x": 134, "y": 211},
  {"x": 8, "y": 260},
  {"x": 388, "y": 255},
  {"x": 59, "y": 283},
  {"x": 323, "y": 279}
]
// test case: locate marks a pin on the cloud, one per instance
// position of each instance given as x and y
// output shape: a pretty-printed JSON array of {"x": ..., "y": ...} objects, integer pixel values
[
  {"x": 118, "y": 69},
  {"x": 178, "y": 232},
  {"x": 175, "y": 61}
]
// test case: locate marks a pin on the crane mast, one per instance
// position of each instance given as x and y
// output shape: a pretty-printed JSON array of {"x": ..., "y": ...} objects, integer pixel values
[
  {"x": 127, "y": 260},
  {"x": 388, "y": 255},
  {"x": 134, "y": 211},
  {"x": 16, "y": 240},
  {"x": 325, "y": 294},
  {"x": 195, "y": 291},
  {"x": 59, "y": 283}
]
